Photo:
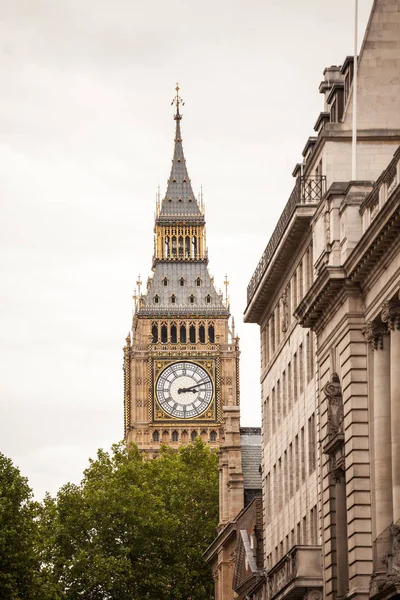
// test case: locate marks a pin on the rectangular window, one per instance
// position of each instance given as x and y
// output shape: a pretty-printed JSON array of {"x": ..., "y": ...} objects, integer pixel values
[
  {"x": 289, "y": 388},
  {"x": 278, "y": 402},
  {"x": 291, "y": 470},
  {"x": 272, "y": 331},
  {"x": 304, "y": 530},
  {"x": 285, "y": 478},
  {"x": 283, "y": 394},
  {"x": 279, "y": 487},
  {"x": 313, "y": 526},
  {"x": 268, "y": 508},
  {"x": 301, "y": 368},
  {"x": 312, "y": 459},
  {"x": 295, "y": 378},
  {"x": 298, "y": 534},
  {"x": 294, "y": 291},
  {"x": 266, "y": 338},
  {"x": 300, "y": 277},
  {"x": 273, "y": 416},
  {"x": 297, "y": 461},
  {"x": 303, "y": 455}
]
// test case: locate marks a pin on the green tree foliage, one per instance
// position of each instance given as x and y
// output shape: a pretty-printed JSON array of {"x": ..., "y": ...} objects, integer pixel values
[
  {"x": 133, "y": 529},
  {"x": 20, "y": 577}
]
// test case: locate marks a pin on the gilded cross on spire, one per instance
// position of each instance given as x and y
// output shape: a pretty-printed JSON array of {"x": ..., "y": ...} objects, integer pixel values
[{"x": 177, "y": 101}]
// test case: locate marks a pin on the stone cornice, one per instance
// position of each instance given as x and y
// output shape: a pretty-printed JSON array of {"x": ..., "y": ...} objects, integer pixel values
[{"x": 327, "y": 285}]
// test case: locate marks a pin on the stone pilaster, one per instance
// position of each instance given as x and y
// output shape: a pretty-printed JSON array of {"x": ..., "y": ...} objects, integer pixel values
[
  {"x": 391, "y": 316},
  {"x": 376, "y": 333}
]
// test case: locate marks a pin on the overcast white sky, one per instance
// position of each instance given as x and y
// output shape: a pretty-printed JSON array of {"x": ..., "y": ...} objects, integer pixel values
[{"x": 86, "y": 135}]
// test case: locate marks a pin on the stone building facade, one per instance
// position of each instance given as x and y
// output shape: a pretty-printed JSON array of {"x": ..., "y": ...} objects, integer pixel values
[
  {"x": 328, "y": 316},
  {"x": 181, "y": 358},
  {"x": 236, "y": 554}
]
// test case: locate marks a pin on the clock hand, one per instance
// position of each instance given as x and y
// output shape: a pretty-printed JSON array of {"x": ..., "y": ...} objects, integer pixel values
[{"x": 192, "y": 388}]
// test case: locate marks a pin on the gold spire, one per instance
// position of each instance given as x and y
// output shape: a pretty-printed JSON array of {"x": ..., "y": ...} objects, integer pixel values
[{"x": 177, "y": 101}]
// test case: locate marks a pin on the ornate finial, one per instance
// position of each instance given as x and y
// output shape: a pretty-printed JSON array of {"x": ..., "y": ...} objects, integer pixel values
[
  {"x": 177, "y": 101},
  {"x": 226, "y": 283},
  {"x": 139, "y": 283}
]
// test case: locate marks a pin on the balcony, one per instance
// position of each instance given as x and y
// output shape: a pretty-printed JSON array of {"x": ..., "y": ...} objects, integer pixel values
[
  {"x": 296, "y": 573},
  {"x": 295, "y": 217}
]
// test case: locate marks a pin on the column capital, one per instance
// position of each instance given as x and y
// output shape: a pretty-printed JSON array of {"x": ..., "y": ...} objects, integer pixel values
[
  {"x": 391, "y": 314},
  {"x": 374, "y": 331}
]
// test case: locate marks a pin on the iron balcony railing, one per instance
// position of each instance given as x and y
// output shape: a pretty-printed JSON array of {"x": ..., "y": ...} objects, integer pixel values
[{"x": 308, "y": 190}]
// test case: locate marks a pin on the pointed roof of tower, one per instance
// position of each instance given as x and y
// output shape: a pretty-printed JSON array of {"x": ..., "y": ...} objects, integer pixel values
[{"x": 179, "y": 199}]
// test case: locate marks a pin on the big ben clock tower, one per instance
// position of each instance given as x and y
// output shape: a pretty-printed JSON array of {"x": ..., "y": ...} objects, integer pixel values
[{"x": 181, "y": 360}]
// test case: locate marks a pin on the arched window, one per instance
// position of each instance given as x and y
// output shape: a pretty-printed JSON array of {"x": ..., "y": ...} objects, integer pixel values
[
  {"x": 164, "y": 334},
  {"x": 173, "y": 245},
  {"x": 208, "y": 299},
  {"x": 180, "y": 246},
  {"x": 182, "y": 334},
  {"x": 202, "y": 334},
  {"x": 213, "y": 436},
  {"x": 198, "y": 282},
  {"x": 154, "y": 333},
  {"x": 181, "y": 282},
  {"x": 211, "y": 334},
  {"x": 175, "y": 436},
  {"x": 193, "y": 435},
  {"x": 156, "y": 436},
  {"x": 192, "y": 334},
  {"x": 191, "y": 299},
  {"x": 156, "y": 299},
  {"x": 194, "y": 246},
  {"x": 165, "y": 282},
  {"x": 187, "y": 246},
  {"x": 167, "y": 250},
  {"x": 173, "y": 334},
  {"x": 173, "y": 299}
]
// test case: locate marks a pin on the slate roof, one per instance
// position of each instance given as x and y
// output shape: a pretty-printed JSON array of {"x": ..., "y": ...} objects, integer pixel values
[
  {"x": 173, "y": 272},
  {"x": 250, "y": 441},
  {"x": 179, "y": 198}
]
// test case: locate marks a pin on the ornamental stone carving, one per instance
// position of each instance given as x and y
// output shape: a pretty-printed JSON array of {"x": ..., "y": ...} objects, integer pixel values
[
  {"x": 333, "y": 393},
  {"x": 391, "y": 314},
  {"x": 374, "y": 332},
  {"x": 313, "y": 595}
]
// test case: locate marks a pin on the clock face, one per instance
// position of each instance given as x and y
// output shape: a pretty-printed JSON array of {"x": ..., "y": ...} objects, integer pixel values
[{"x": 184, "y": 390}]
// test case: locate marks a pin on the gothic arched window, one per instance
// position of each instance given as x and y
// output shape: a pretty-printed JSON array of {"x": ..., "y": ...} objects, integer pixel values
[
  {"x": 191, "y": 299},
  {"x": 187, "y": 247},
  {"x": 192, "y": 334},
  {"x": 173, "y": 334},
  {"x": 175, "y": 436},
  {"x": 211, "y": 334},
  {"x": 182, "y": 334},
  {"x": 180, "y": 246},
  {"x": 173, "y": 245},
  {"x": 156, "y": 436},
  {"x": 154, "y": 333},
  {"x": 208, "y": 299},
  {"x": 193, "y": 435},
  {"x": 213, "y": 436},
  {"x": 164, "y": 334},
  {"x": 165, "y": 282},
  {"x": 173, "y": 299},
  {"x": 198, "y": 282},
  {"x": 156, "y": 299},
  {"x": 167, "y": 249},
  {"x": 181, "y": 282},
  {"x": 202, "y": 334}
]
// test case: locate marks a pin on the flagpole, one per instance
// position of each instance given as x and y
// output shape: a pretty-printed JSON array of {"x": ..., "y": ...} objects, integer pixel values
[{"x": 354, "y": 137}]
